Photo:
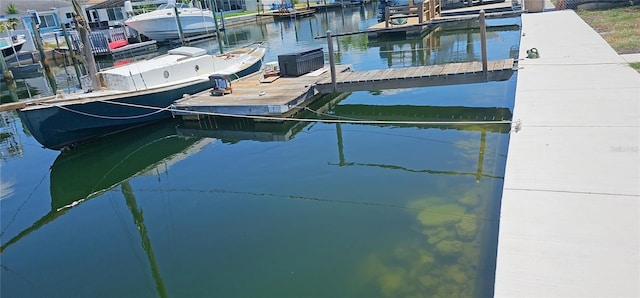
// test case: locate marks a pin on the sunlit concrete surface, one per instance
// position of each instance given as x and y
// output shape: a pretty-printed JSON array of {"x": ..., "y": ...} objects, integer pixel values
[
  {"x": 570, "y": 215},
  {"x": 631, "y": 58}
]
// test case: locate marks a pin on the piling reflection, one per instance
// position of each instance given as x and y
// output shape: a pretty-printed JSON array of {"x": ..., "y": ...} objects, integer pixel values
[
  {"x": 10, "y": 144},
  {"x": 445, "y": 44}
]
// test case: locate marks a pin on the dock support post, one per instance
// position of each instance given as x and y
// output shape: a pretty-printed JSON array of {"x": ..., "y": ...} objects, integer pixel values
[
  {"x": 387, "y": 14},
  {"x": 43, "y": 58},
  {"x": 483, "y": 41},
  {"x": 83, "y": 30},
  {"x": 73, "y": 57},
  {"x": 8, "y": 75},
  {"x": 175, "y": 10},
  {"x": 214, "y": 8},
  {"x": 332, "y": 62}
]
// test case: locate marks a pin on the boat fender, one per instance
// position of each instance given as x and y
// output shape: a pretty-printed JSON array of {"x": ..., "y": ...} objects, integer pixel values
[{"x": 532, "y": 53}]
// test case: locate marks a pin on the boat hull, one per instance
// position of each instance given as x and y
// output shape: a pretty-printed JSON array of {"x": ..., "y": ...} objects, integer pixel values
[
  {"x": 12, "y": 48},
  {"x": 66, "y": 126},
  {"x": 164, "y": 27}
]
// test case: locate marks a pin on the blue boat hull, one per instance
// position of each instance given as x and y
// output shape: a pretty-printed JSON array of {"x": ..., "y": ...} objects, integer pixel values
[{"x": 60, "y": 127}]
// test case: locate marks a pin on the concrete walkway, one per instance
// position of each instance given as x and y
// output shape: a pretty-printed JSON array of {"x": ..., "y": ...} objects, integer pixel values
[
  {"x": 570, "y": 217},
  {"x": 631, "y": 57}
]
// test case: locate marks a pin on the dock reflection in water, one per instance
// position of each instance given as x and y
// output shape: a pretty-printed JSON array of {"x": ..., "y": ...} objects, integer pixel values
[{"x": 457, "y": 228}]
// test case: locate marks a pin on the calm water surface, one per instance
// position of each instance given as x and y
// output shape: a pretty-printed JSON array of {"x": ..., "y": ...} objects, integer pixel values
[{"x": 240, "y": 209}]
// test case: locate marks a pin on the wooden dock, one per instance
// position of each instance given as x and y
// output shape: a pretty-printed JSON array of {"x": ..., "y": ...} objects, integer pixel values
[
  {"x": 417, "y": 18},
  {"x": 419, "y": 76},
  {"x": 285, "y": 96},
  {"x": 253, "y": 96},
  {"x": 426, "y": 16},
  {"x": 285, "y": 13}
]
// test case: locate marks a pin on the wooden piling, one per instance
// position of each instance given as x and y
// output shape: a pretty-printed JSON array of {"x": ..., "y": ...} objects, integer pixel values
[
  {"x": 175, "y": 10},
  {"x": 8, "y": 75},
  {"x": 214, "y": 7},
  {"x": 73, "y": 58},
  {"x": 332, "y": 62},
  {"x": 483, "y": 42}
]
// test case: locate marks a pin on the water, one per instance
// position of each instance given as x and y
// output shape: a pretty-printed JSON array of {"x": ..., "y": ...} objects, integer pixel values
[{"x": 240, "y": 209}]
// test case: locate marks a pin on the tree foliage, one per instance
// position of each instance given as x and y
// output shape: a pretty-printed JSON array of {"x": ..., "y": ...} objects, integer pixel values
[{"x": 11, "y": 23}]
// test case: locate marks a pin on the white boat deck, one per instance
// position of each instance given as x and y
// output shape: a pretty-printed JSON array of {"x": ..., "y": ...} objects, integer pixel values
[
  {"x": 158, "y": 62},
  {"x": 570, "y": 215}
]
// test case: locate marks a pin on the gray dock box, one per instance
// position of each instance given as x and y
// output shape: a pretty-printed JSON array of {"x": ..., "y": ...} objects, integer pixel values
[{"x": 297, "y": 64}]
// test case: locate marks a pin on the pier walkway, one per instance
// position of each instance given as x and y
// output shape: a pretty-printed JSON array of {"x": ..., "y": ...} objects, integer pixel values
[
  {"x": 286, "y": 95},
  {"x": 419, "y": 76},
  {"x": 570, "y": 215}
]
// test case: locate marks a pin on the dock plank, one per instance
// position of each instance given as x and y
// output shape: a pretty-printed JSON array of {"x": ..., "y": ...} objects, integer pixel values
[
  {"x": 251, "y": 97},
  {"x": 420, "y": 75}
]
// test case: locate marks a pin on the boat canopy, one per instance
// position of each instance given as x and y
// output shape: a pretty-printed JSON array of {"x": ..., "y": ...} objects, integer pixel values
[{"x": 178, "y": 5}]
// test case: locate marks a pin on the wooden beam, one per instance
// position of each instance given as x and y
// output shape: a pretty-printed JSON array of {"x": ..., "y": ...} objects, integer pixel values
[{"x": 12, "y": 106}]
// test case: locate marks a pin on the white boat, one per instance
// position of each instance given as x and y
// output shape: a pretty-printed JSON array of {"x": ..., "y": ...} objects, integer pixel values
[
  {"x": 11, "y": 45},
  {"x": 132, "y": 95},
  {"x": 161, "y": 24}
]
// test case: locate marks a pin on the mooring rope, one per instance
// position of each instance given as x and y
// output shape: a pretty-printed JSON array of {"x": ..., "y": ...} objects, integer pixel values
[
  {"x": 171, "y": 108},
  {"x": 159, "y": 110}
]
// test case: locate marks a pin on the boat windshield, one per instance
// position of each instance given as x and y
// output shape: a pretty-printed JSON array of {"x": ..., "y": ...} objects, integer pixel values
[{"x": 178, "y": 5}]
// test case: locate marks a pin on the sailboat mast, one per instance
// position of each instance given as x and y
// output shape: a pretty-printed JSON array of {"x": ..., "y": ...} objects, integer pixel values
[{"x": 83, "y": 30}]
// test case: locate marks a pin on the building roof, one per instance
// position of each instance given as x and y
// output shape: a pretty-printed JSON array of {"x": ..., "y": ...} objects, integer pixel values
[
  {"x": 44, "y": 5},
  {"x": 107, "y": 4},
  {"x": 120, "y": 3},
  {"x": 38, "y": 5}
]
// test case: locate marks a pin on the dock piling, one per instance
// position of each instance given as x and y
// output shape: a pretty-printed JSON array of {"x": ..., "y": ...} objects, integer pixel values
[
  {"x": 214, "y": 8},
  {"x": 332, "y": 62},
  {"x": 8, "y": 75},
  {"x": 175, "y": 10},
  {"x": 483, "y": 42},
  {"x": 73, "y": 58}
]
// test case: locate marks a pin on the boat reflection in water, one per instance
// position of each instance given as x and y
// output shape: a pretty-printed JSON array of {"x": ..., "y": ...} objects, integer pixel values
[
  {"x": 112, "y": 160},
  {"x": 109, "y": 162}
]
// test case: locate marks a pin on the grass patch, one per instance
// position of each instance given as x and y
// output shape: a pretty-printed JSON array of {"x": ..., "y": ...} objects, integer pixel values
[
  {"x": 237, "y": 14},
  {"x": 635, "y": 65},
  {"x": 620, "y": 27}
]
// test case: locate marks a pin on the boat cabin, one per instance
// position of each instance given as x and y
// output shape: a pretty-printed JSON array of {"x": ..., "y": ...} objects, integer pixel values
[{"x": 221, "y": 84}]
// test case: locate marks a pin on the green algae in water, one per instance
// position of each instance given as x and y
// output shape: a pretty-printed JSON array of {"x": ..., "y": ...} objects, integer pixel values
[{"x": 444, "y": 257}]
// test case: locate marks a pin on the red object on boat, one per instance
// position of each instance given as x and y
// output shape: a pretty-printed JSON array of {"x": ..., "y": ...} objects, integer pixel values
[
  {"x": 122, "y": 62},
  {"x": 118, "y": 44}
]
